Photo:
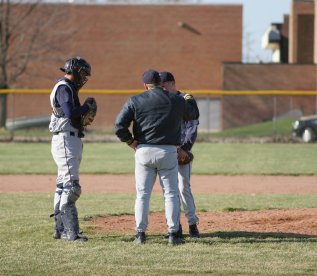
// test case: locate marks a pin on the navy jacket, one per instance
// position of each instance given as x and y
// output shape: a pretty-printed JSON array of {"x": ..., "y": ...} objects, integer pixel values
[
  {"x": 189, "y": 131},
  {"x": 156, "y": 115}
]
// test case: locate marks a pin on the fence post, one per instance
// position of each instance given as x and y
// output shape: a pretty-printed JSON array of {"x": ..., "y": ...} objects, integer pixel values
[
  {"x": 274, "y": 115},
  {"x": 3, "y": 109}
]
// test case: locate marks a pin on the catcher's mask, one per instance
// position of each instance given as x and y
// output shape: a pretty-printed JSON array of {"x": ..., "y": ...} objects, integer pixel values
[{"x": 79, "y": 68}]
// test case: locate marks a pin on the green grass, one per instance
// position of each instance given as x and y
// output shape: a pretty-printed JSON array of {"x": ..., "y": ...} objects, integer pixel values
[
  {"x": 210, "y": 159},
  {"x": 278, "y": 128},
  {"x": 44, "y": 133},
  {"x": 265, "y": 159},
  {"x": 281, "y": 128},
  {"x": 26, "y": 246},
  {"x": 32, "y": 132}
]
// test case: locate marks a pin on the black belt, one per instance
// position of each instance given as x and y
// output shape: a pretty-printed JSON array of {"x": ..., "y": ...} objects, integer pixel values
[{"x": 71, "y": 133}]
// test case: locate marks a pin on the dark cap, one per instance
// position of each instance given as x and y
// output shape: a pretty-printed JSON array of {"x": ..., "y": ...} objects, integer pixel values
[
  {"x": 151, "y": 77},
  {"x": 166, "y": 76}
]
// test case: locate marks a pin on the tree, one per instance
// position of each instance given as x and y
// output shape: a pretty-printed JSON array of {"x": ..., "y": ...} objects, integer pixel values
[{"x": 24, "y": 38}]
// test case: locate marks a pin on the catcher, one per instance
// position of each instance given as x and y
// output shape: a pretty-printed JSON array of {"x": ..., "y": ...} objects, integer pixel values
[
  {"x": 68, "y": 121},
  {"x": 185, "y": 158}
]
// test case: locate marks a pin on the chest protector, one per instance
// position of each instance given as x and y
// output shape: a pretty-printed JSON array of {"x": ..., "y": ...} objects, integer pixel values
[{"x": 60, "y": 123}]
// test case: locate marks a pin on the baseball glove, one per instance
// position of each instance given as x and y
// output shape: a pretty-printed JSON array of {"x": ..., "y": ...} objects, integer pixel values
[
  {"x": 90, "y": 115},
  {"x": 184, "y": 157}
]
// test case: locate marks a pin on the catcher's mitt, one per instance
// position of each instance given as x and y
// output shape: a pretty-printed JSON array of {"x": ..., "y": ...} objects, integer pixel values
[
  {"x": 184, "y": 157},
  {"x": 90, "y": 115}
]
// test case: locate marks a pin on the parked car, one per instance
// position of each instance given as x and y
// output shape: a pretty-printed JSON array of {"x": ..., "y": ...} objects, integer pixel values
[{"x": 306, "y": 128}]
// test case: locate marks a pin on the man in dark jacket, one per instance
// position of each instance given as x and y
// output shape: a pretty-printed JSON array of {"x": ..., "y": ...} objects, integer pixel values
[{"x": 156, "y": 115}]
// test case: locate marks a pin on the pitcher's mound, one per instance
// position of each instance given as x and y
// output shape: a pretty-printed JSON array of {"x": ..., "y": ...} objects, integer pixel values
[{"x": 288, "y": 221}]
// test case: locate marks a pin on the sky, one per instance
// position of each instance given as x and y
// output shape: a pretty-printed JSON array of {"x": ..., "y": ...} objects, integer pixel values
[{"x": 257, "y": 17}]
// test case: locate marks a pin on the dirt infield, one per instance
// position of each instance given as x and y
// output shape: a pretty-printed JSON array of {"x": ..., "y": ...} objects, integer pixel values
[
  {"x": 275, "y": 222},
  {"x": 267, "y": 222},
  {"x": 200, "y": 184}
]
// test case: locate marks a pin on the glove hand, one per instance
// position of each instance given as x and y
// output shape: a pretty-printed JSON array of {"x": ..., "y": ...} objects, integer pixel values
[
  {"x": 91, "y": 102},
  {"x": 89, "y": 116},
  {"x": 134, "y": 145},
  {"x": 184, "y": 157}
]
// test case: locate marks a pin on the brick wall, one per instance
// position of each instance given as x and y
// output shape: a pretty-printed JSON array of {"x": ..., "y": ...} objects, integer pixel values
[
  {"x": 244, "y": 110},
  {"x": 305, "y": 39},
  {"x": 121, "y": 42},
  {"x": 315, "y": 33},
  {"x": 299, "y": 29}
]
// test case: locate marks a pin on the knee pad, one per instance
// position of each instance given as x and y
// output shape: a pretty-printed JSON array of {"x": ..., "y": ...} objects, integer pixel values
[{"x": 74, "y": 193}]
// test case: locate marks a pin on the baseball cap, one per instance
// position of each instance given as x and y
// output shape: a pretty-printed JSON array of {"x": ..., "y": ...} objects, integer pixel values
[
  {"x": 151, "y": 77},
  {"x": 166, "y": 76}
]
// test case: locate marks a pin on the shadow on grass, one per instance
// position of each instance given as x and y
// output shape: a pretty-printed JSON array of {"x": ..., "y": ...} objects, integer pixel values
[
  {"x": 256, "y": 237},
  {"x": 232, "y": 237}
]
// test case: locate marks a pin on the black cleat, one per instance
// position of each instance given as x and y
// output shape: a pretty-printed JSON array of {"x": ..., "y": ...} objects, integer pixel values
[
  {"x": 193, "y": 231},
  {"x": 174, "y": 239},
  {"x": 80, "y": 237},
  {"x": 56, "y": 235},
  {"x": 140, "y": 238},
  {"x": 179, "y": 233}
]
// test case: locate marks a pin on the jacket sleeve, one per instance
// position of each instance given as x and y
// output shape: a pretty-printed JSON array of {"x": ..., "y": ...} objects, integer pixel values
[
  {"x": 72, "y": 112},
  {"x": 64, "y": 99},
  {"x": 191, "y": 109},
  {"x": 123, "y": 121},
  {"x": 190, "y": 134}
]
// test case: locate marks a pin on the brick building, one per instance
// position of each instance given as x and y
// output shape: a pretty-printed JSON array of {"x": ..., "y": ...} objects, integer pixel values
[
  {"x": 122, "y": 41},
  {"x": 296, "y": 70},
  {"x": 200, "y": 44}
]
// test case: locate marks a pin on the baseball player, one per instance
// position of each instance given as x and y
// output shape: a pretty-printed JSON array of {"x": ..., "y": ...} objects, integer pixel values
[
  {"x": 156, "y": 115},
  {"x": 67, "y": 127},
  {"x": 188, "y": 138}
]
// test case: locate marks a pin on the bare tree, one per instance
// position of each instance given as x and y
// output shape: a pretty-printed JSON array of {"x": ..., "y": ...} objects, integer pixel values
[{"x": 24, "y": 37}]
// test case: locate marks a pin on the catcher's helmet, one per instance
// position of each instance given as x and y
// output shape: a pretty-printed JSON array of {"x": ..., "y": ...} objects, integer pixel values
[
  {"x": 76, "y": 65},
  {"x": 79, "y": 68}
]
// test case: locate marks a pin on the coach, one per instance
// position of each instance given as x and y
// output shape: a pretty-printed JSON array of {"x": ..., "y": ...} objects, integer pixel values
[{"x": 156, "y": 115}]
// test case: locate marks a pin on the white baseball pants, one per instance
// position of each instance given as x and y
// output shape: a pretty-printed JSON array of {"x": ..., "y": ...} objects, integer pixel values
[{"x": 151, "y": 160}]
